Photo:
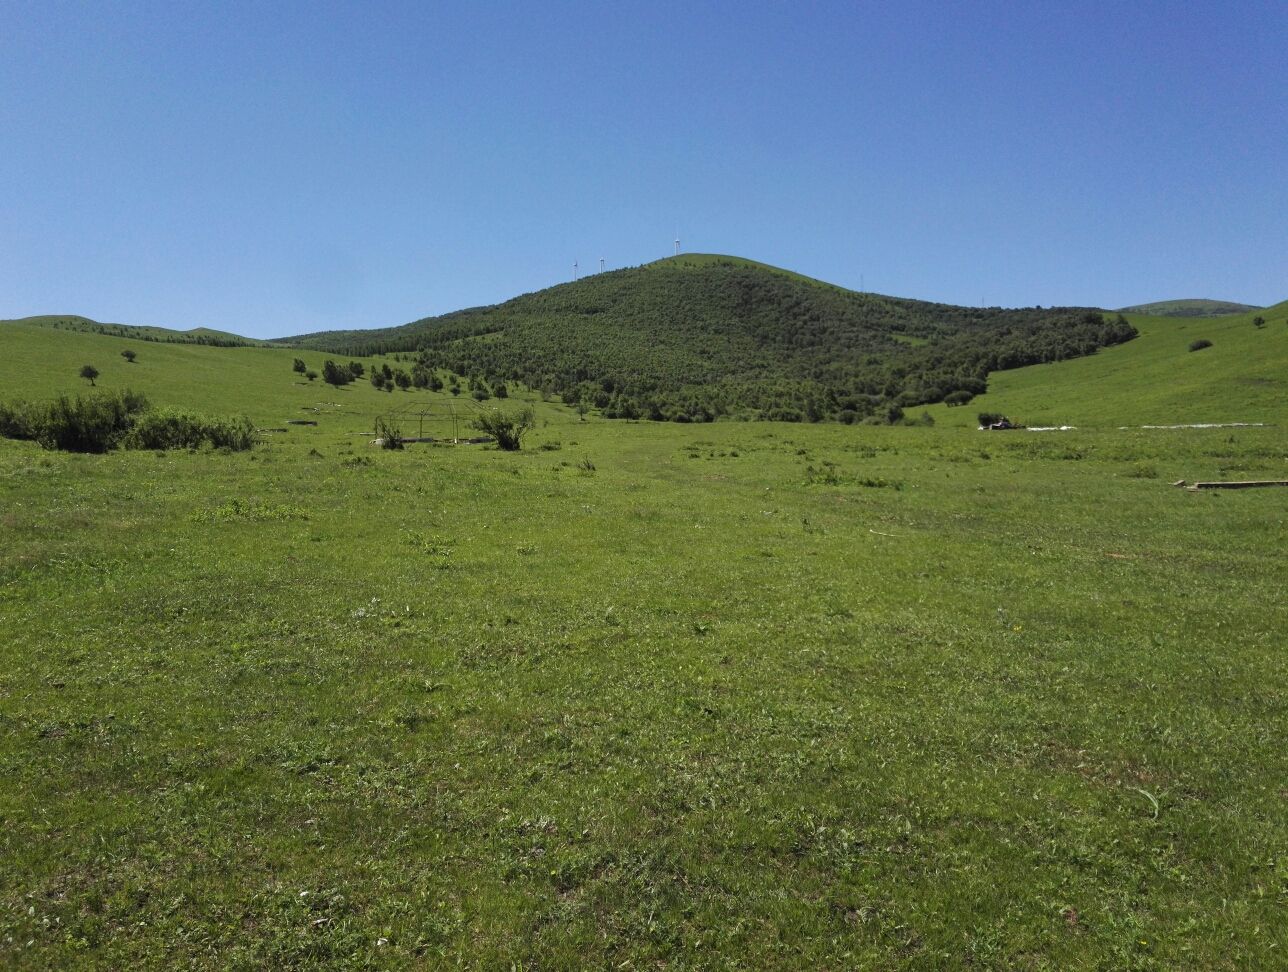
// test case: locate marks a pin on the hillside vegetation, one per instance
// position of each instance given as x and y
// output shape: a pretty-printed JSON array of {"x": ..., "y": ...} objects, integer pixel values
[
  {"x": 703, "y": 336},
  {"x": 1155, "y": 379},
  {"x": 1189, "y": 308}
]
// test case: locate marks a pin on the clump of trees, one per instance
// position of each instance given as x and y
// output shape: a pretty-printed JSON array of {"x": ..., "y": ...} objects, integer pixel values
[
  {"x": 102, "y": 421},
  {"x": 334, "y": 374},
  {"x": 508, "y": 428}
]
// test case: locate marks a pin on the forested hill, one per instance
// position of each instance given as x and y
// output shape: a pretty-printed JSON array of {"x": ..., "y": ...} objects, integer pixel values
[{"x": 699, "y": 336}]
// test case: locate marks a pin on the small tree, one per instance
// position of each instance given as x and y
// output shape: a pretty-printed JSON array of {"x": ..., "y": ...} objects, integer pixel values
[
  {"x": 299, "y": 367},
  {"x": 508, "y": 429},
  {"x": 89, "y": 373},
  {"x": 402, "y": 379},
  {"x": 129, "y": 355},
  {"x": 356, "y": 369},
  {"x": 1258, "y": 322},
  {"x": 311, "y": 375}
]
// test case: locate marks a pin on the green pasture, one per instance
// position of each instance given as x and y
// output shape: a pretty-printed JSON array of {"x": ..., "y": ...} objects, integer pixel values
[
  {"x": 649, "y": 695},
  {"x": 1154, "y": 379}
]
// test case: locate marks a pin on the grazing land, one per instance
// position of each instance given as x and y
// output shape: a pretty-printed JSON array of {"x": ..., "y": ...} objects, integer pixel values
[{"x": 729, "y": 695}]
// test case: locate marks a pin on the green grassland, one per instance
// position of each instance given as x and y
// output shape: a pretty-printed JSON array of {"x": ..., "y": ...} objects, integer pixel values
[
  {"x": 1154, "y": 379},
  {"x": 735, "y": 695}
]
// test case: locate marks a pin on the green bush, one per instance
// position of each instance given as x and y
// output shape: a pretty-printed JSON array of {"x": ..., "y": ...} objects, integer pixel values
[
  {"x": 388, "y": 435},
  {"x": 107, "y": 420},
  {"x": 169, "y": 429},
  {"x": 1200, "y": 344},
  {"x": 19, "y": 420},
  {"x": 507, "y": 429},
  {"x": 89, "y": 423}
]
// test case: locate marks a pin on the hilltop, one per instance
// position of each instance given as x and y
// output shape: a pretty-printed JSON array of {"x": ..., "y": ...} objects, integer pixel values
[
  {"x": 1190, "y": 308},
  {"x": 699, "y": 336}
]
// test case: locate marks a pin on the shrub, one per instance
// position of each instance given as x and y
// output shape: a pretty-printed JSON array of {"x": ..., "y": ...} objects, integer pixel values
[
  {"x": 311, "y": 375},
  {"x": 990, "y": 418},
  {"x": 299, "y": 367},
  {"x": 1200, "y": 344},
  {"x": 959, "y": 397},
  {"x": 102, "y": 421},
  {"x": 388, "y": 435},
  {"x": 19, "y": 420},
  {"x": 508, "y": 429},
  {"x": 129, "y": 355},
  {"x": 92, "y": 423},
  {"x": 170, "y": 429}
]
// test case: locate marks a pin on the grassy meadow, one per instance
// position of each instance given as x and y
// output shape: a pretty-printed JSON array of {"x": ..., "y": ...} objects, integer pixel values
[{"x": 649, "y": 695}]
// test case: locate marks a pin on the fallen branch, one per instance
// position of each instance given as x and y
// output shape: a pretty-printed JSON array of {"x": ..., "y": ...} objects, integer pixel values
[{"x": 1246, "y": 484}]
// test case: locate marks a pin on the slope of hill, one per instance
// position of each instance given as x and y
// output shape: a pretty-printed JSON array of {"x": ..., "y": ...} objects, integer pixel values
[
  {"x": 1155, "y": 379},
  {"x": 702, "y": 335},
  {"x": 1190, "y": 308},
  {"x": 197, "y": 335},
  {"x": 39, "y": 363}
]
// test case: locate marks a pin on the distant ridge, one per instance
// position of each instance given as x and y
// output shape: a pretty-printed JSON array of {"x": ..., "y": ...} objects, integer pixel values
[
  {"x": 1198, "y": 307},
  {"x": 139, "y": 332}
]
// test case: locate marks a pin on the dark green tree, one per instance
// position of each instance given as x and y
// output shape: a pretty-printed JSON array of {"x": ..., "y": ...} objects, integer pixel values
[
  {"x": 334, "y": 374},
  {"x": 89, "y": 373}
]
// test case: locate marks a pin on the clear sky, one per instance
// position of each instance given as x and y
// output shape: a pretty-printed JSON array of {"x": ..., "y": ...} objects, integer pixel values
[{"x": 273, "y": 168}]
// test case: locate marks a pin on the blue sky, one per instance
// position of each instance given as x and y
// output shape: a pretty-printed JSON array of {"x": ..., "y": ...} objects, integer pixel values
[{"x": 274, "y": 168}]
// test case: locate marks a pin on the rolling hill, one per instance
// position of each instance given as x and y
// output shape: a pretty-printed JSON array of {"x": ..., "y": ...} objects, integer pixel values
[
  {"x": 701, "y": 336},
  {"x": 1190, "y": 308},
  {"x": 142, "y": 332}
]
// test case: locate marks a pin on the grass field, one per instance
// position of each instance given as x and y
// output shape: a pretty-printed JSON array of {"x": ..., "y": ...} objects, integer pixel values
[
  {"x": 715, "y": 696},
  {"x": 1154, "y": 379}
]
